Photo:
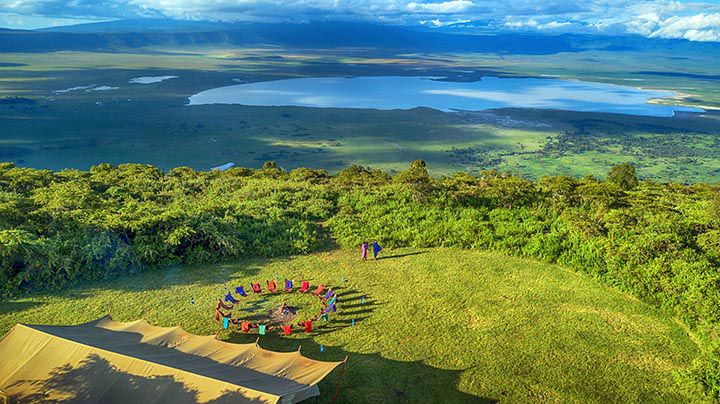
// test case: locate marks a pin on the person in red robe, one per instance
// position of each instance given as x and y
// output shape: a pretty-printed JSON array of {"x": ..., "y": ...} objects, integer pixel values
[
  {"x": 245, "y": 326},
  {"x": 307, "y": 325}
]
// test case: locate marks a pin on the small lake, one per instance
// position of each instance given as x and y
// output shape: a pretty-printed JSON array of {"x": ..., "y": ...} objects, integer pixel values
[
  {"x": 150, "y": 79},
  {"x": 399, "y": 92}
]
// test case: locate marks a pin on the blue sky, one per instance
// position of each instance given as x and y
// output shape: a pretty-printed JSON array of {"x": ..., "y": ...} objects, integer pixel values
[{"x": 692, "y": 20}]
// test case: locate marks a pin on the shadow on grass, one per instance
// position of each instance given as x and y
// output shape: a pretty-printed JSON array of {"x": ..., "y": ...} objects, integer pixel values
[
  {"x": 225, "y": 275},
  {"x": 387, "y": 257},
  {"x": 326, "y": 241},
  {"x": 176, "y": 275},
  {"x": 9, "y": 306},
  {"x": 155, "y": 279},
  {"x": 370, "y": 377}
]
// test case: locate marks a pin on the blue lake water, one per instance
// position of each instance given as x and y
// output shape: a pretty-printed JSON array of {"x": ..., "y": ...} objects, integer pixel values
[{"x": 399, "y": 92}]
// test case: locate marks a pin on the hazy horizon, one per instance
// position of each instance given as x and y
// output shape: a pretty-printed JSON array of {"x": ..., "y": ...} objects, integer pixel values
[{"x": 690, "y": 20}]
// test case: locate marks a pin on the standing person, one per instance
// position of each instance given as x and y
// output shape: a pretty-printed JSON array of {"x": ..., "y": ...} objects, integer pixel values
[
  {"x": 376, "y": 249},
  {"x": 306, "y": 325},
  {"x": 364, "y": 248}
]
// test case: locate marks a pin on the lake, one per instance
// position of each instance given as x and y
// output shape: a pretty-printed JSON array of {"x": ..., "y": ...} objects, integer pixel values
[
  {"x": 150, "y": 79},
  {"x": 401, "y": 92}
]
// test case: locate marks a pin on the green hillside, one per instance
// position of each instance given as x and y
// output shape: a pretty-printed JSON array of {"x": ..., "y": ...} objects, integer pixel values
[{"x": 437, "y": 325}]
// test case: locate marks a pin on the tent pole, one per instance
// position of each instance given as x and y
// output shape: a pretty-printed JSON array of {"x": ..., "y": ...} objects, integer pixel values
[{"x": 337, "y": 387}]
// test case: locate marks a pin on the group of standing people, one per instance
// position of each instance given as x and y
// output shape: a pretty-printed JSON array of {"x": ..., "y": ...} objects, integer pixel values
[{"x": 364, "y": 250}]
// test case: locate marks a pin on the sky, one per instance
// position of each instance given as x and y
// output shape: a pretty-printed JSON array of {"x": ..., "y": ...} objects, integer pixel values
[{"x": 694, "y": 20}]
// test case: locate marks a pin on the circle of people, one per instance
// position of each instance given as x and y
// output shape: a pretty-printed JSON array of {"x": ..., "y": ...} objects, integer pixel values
[{"x": 327, "y": 297}]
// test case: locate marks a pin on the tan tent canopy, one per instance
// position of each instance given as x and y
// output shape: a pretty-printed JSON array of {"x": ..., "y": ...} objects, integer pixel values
[{"x": 105, "y": 361}]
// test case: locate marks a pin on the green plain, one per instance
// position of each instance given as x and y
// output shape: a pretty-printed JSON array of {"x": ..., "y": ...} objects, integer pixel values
[{"x": 151, "y": 124}]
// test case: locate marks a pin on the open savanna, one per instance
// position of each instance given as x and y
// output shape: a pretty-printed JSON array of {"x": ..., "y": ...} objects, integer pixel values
[
  {"x": 151, "y": 123},
  {"x": 437, "y": 325}
]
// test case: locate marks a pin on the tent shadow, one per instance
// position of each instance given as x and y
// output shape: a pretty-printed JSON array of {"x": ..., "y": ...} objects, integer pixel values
[{"x": 374, "y": 378}]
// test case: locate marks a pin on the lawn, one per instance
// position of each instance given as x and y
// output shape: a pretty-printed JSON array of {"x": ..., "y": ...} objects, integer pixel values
[{"x": 437, "y": 325}]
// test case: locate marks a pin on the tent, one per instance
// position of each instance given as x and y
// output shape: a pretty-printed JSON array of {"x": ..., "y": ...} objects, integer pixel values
[{"x": 105, "y": 361}]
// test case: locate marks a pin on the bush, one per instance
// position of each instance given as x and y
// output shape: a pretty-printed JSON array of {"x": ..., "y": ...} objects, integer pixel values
[
  {"x": 706, "y": 371},
  {"x": 59, "y": 228},
  {"x": 624, "y": 175}
]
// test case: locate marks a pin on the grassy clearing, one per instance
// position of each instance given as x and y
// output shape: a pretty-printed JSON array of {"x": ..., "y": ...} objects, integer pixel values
[{"x": 438, "y": 325}]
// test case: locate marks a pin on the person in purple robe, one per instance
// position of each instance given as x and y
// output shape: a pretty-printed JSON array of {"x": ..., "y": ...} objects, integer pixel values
[{"x": 364, "y": 249}]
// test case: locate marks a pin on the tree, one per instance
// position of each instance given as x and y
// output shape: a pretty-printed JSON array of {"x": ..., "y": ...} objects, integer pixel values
[
  {"x": 559, "y": 190},
  {"x": 418, "y": 179},
  {"x": 465, "y": 189},
  {"x": 270, "y": 169},
  {"x": 624, "y": 175},
  {"x": 417, "y": 174},
  {"x": 269, "y": 165},
  {"x": 510, "y": 191},
  {"x": 310, "y": 175},
  {"x": 604, "y": 195},
  {"x": 715, "y": 206},
  {"x": 358, "y": 176}
]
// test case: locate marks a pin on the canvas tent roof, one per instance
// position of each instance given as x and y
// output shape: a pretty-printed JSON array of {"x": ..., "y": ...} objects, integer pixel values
[{"x": 107, "y": 361}]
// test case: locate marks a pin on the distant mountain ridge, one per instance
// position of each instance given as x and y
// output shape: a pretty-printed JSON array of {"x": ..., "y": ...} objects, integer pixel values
[
  {"x": 143, "y": 25},
  {"x": 139, "y": 33}
]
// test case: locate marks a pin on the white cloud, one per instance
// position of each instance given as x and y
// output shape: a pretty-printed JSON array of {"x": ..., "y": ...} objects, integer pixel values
[
  {"x": 692, "y": 20},
  {"x": 31, "y": 21},
  {"x": 557, "y": 25},
  {"x": 440, "y": 23},
  {"x": 656, "y": 19},
  {"x": 447, "y": 7},
  {"x": 700, "y": 27},
  {"x": 521, "y": 23}
]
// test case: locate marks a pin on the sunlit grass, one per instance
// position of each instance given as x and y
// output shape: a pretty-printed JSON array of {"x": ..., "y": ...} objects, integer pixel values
[{"x": 437, "y": 325}]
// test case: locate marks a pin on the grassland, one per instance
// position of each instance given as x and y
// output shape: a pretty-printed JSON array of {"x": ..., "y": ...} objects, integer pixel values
[
  {"x": 150, "y": 123},
  {"x": 437, "y": 325}
]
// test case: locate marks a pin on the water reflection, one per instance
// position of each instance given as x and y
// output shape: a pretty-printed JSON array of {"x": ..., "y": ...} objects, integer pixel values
[{"x": 390, "y": 92}]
